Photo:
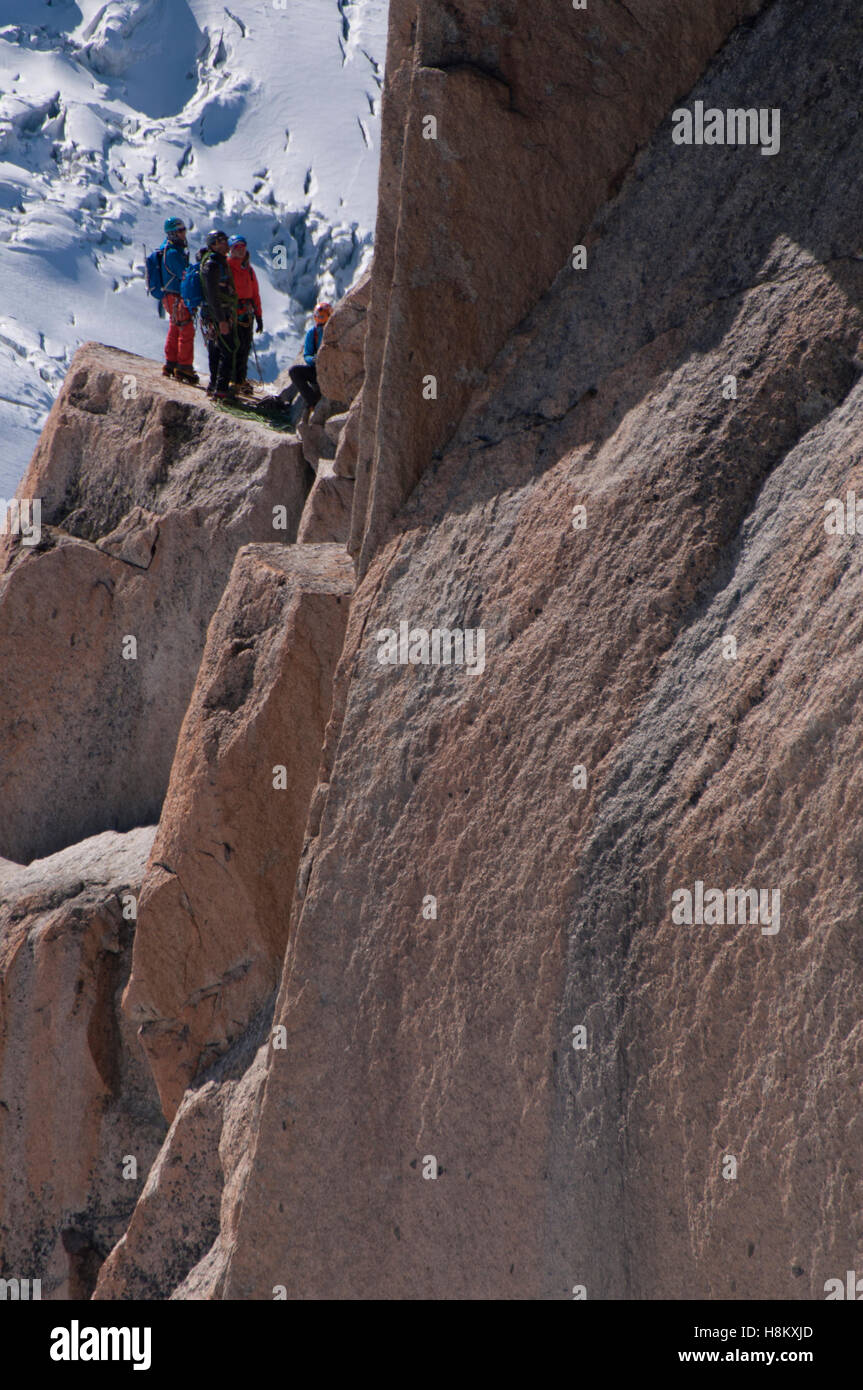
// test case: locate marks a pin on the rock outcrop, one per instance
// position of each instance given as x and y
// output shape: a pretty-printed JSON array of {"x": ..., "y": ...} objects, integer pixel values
[
  {"x": 213, "y": 915},
  {"x": 147, "y": 492},
  {"x": 329, "y": 437},
  {"x": 327, "y": 514},
  {"x": 345, "y": 461},
  {"x": 186, "y": 1212},
  {"x": 340, "y": 361},
  {"x": 79, "y": 1117}
]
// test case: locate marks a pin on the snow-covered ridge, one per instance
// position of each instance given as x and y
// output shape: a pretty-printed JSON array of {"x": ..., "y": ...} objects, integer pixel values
[{"x": 261, "y": 114}]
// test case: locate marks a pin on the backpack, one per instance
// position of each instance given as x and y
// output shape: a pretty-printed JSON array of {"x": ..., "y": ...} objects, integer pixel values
[
  {"x": 191, "y": 289},
  {"x": 153, "y": 270}
]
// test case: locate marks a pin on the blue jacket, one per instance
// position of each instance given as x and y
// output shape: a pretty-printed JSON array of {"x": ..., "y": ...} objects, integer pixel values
[
  {"x": 175, "y": 260},
  {"x": 312, "y": 343}
]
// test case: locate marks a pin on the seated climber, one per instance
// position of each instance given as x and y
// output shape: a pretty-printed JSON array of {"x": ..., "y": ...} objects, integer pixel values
[
  {"x": 305, "y": 378},
  {"x": 180, "y": 342},
  {"x": 248, "y": 308}
]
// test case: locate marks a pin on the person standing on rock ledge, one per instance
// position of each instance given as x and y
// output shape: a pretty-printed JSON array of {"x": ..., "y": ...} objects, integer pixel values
[
  {"x": 210, "y": 332},
  {"x": 248, "y": 309},
  {"x": 218, "y": 283},
  {"x": 180, "y": 342},
  {"x": 306, "y": 378}
]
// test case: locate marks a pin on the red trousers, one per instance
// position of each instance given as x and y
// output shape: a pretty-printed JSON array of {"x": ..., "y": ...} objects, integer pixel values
[{"x": 180, "y": 342}]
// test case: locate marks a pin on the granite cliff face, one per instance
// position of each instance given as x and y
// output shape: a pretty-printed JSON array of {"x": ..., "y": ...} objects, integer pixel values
[
  {"x": 696, "y": 391},
  {"x": 505, "y": 130},
  {"x": 498, "y": 978}
]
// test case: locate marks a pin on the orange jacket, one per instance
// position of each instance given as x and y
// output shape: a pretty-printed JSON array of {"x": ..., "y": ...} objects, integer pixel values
[{"x": 246, "y": 284}]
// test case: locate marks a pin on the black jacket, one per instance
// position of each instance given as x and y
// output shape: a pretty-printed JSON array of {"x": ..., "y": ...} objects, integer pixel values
[{"x": 219, "y": 289}]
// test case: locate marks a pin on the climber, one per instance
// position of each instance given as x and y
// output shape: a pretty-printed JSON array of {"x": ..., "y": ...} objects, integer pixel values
[
  {"x": 180, "y": 342},
  {"x": 221, "y": 299},
  {"x": 248, "y": 306},
  {"x": 306, "y": 378},
  {"x": 210, "y": 332}
]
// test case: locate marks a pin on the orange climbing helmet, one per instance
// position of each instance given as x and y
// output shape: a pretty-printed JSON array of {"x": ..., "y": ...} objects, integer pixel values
[{"x": 323, "y": 311}]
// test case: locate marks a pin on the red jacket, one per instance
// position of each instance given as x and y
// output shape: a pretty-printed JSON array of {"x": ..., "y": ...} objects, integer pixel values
[{"x": 246, "y": 284}]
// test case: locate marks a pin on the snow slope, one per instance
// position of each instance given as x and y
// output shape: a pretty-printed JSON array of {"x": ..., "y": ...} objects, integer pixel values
[{"x": 263, "y": 114}]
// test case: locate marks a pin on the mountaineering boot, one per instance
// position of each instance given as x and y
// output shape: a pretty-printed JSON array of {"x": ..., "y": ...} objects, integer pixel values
[
  {"x": 245, "y": 388},
  {"x": 169, "y": 369},
  {"x": 186, "y": 374}
]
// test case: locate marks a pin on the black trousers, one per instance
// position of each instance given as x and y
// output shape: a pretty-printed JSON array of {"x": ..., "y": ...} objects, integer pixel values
[
  {"x": 244, "y": 347},
  {"x": 306, "y": 381},
  {"x": 212, "y": 359},
  {"x": 226, "y": 357}
]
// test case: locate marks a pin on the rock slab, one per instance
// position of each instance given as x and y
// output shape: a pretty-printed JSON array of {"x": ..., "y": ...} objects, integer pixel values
[
  {"x": 80, "y": 1121},
  {"x": 215, "y": 902}
]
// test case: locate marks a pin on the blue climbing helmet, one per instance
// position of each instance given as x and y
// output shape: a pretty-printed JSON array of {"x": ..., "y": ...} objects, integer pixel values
[
  {"x": 237, "y": 239},
  {"x": 174, "y": 225}
]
